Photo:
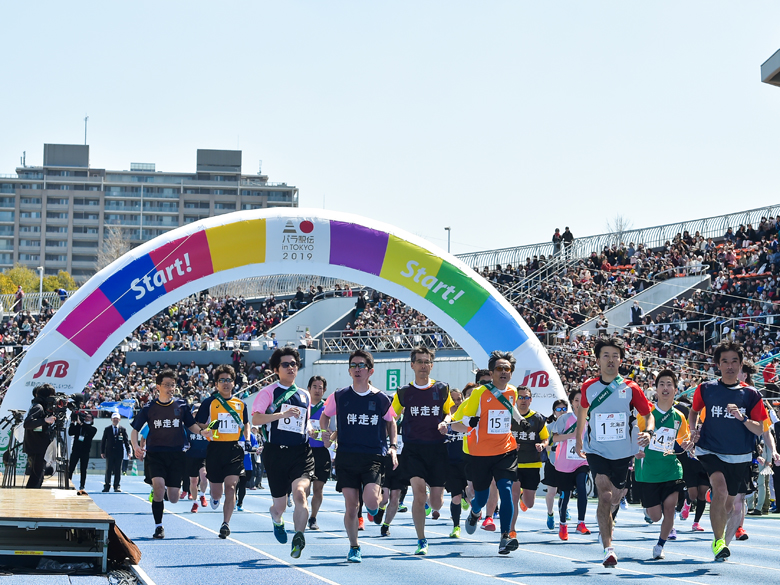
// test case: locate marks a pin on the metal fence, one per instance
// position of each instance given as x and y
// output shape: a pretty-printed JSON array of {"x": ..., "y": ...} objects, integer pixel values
[
  {"x": 379, "y": 340},
  {"x": 279, "y": 285},
  {"x": 653, "y": 237},
  {"x": 30, "y": 302}
]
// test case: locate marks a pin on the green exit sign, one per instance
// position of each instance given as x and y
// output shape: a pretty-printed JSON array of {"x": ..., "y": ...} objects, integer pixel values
[{"x": 393, "y": 380}]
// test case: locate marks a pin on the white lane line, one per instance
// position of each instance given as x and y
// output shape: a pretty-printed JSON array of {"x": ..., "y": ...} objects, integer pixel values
[
  {"x": 596, "y": 564},
  {"x": 141, "y": 575},
  {"x": 257, "y": 550}
]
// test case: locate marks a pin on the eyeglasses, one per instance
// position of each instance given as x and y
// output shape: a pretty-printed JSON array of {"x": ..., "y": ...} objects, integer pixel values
[
  {"x": 288, "y": 364},
  {"x": 225, "y": 380},
  {"x": 524, "y": 398},
  {"x": 561, "y": 409},
  {"x": 169, "y": 385},
  {"x": 502, "y": 368},
  {"x": 423, "y": 362},
  {"x": 360, "y": 366}
]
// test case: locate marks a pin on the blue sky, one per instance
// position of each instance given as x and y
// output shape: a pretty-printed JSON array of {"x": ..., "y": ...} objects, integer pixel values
[{"x": 503, "y": 120}]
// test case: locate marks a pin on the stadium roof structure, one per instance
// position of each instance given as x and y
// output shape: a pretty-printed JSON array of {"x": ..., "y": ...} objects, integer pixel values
[{"x": 770, "y": 70}]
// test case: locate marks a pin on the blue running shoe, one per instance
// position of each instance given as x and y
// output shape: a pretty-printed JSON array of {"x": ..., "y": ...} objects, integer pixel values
[
  {"x": 354, "y": 555},
  {"x": 550, "y": 521},
  {"x": 279, "y": 532}
]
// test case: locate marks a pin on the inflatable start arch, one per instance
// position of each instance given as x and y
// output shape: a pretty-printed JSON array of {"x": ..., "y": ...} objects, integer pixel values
[{"x": 277, "y": 241}]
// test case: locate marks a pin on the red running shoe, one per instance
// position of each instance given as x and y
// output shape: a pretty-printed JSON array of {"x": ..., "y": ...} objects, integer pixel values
[{"x": 489, "y": 525}]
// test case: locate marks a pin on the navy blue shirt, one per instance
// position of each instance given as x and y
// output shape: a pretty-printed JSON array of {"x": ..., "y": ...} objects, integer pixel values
[
  {"x": 360, "y": 421},
  {"x": 166, "y": 422}
]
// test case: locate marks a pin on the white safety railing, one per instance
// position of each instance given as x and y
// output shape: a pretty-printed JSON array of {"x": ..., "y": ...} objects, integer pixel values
[
  {"x": 278, "y": 285},
  {"x": 379, "y": 340}
]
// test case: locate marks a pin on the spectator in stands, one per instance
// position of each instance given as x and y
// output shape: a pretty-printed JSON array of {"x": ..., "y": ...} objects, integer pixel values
[
  {"x": 568, "y": 240},
  {"x": 557, "y": 241}
]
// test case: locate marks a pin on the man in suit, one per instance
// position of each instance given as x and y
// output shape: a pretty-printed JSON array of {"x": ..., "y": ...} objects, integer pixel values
[
  {"x": 112, "y": 449},
  {"x": 83, "y": 431}
]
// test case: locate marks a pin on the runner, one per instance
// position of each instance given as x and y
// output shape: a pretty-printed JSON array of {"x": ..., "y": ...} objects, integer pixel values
[
  {"x": 697, "y": 482},
  {"x": 317, "y": 387},
  {"x": 426, "y": 406},
  {"x": 486, "y": 418},
  {"x": 225, "y": 457},
  {"x": 394, "y": 485},
  {"x": 456, "y": 484},
  {"x": 250, "y": 449},
  {"x": 164, "y": 457},
  {"x": 571, "y": 469},
  {"x": 611, "y": 440},
  {"x": 195, "y": 466},
  {"x": 362, "y": 443},
  {"x": 531, "y": 441},
  {"x": 724, "y": 443},
  {"x": 658, "y": 473},
  {"x": 289, "y": 463}
]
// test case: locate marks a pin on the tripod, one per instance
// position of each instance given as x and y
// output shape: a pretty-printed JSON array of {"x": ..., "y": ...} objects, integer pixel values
[
  {"x": 61, "y": 460},
  {"x": 11, "y": 455}
]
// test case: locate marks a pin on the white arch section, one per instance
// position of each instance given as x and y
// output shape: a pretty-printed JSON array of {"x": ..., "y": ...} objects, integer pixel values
[{"x": 264, "y": 242}]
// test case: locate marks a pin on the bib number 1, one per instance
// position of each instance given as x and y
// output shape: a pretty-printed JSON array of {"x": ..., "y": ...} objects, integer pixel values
[{"x": 610, "y": 426}]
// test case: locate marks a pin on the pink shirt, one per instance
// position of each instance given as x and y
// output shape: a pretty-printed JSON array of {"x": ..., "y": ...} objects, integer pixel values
[
  {"x": 329, "y": 409},
  {"x": 562, "y": 462},
  {"x": 265, "y": 398}
]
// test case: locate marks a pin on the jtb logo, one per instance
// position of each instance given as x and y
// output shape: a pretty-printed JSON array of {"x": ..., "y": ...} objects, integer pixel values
[
  {"x": 539, "y": 379},
  {"x": 58, "y": 369}
]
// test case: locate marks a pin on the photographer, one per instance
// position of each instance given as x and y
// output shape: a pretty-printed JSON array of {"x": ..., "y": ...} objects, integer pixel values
[
  {"x": 83, "y": 431},
  {"x": 38, "y": 434}
]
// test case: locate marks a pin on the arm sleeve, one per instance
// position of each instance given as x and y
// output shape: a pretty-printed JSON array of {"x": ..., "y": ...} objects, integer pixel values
[
  {"x": 544, "y": 433},
  {"x": 448, "y": 404},
  {"x": 390, "y": 414},
  {"x": 262, "y": 401},
  {"x": 140, "y": 419},
  {"x": 396, "y": 406},
  {"x": 204, "y": 411},
  {"x": 329, "y": 409},
  {"x": 698, "y": 401},
  {"x": 639, "y": 401},
  {"x": 584, "y": 398},
  {"x": 469, "y": 406},
  {"x": 758, "y": 412},
  {"x": 245, "y": 415},
  {"x": 189, "y": 420},
  {"x": 682, "y": 432}
]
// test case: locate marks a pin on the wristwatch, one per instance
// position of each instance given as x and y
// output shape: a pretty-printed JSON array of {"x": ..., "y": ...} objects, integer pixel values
[
  {"x": 651, "y": 432},
  {"x": 393, "y": 446}
]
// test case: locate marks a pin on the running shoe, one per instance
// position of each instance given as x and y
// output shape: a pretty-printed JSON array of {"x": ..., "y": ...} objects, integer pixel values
[
  {"x": 708, "y": 497},
  {"x": 455, "y": 532},
  {"x": 550, "y": 521},
  {"x": 582, "y": 529},
  {"x": 648, "y": 519},
  {"x": 203, "y": 501},
  {"x": 354, "y": 555},
  {"x": 658, "y": 552},
  {"x": 740, "y": 534},
  {"x": 379, "y": 516},
  {"x": 289, "y": 500},
  {"x": 194, "y": 508},
  {"x": 623, "y": 504},
  {"x": 313, "y": 524},
  {"x": 435, "y": 515},
  {"x": 402, "y": 509},
  {"x": 239, "y": 508},
  {"x": 298, "y": 543},
  {"x": 754, "y": 512},
  {"x": 279, "y": 532},
  {"x": 686, "y": 510},
  {"x": 512, "y": 534},
  {"x": 427, "y": 509},
  {"x": 507, "y": 544},
  {"x": 190, "y": 497},
  {"x": 224, "y": 530},
  {"x": 523, "y": 507},
  {"x": 183, "y": 495},
  {"x": 422, "y": 547},
  {"x": 672, "y": 535},
  {"x": 385, "y": 530},
  {"x": 489, "y": 525},
  {"x": 563, "y": 532},
  {"x": 696, "y": 527},
  {"x": 159, "y": 533},
  {"x": 610, "y": 558},
  {"x": 151, "y": 496},
  {"x": 214, "y": 504},
  {"x": 370, "y": 516},
  {"x": 471, "y": 522},
  {"x": 464, "y": 504},
  {"x": 361, "y": 523},
  {"x": 720, "y": 550}
]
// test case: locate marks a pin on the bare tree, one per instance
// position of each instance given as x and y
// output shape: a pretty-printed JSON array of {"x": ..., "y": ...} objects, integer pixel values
[
  {"x": 619, "y": 225},
  {"x": 114, "y": 246}
]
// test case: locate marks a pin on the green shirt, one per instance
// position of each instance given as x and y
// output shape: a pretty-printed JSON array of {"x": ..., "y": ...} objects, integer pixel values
[{"x": 660, "y": 464}]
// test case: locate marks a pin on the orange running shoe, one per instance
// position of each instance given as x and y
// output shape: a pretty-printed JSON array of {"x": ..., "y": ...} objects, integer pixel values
[
  {"x": 512, "y": 534},
  {"x": 563, "y": 533},
  {"x": 582, "y": 529},
  {"x": 361, "y": 523}
]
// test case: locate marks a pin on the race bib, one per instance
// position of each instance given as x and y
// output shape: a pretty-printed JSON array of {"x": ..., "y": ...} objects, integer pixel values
[
  {"x": 663, "y": 439},
  {"x": 571, "y": 450},
  {"x": 227, "y": 424},
  {"x": 81, "y": 438},
  {"x": 292, "y": 424},
  {"x": 610, "y": 426},
  {"x": 499, "y": 422}
]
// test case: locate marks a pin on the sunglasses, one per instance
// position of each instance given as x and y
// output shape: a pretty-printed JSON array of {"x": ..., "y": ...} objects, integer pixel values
[
  {"x": 524, "y": 398},
  {"x": 561, "y": 409},
  {"x": 225, "y": 380},
  {"x": 502, "y": 368},
  {"x": 361, "y": 366},
  {"x": 288, "y": 364}
]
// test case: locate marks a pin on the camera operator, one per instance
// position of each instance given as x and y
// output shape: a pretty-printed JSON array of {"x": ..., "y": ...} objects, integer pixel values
[
  {"x": 38, "y": 433},
  {"x": 83, "y": 431}
]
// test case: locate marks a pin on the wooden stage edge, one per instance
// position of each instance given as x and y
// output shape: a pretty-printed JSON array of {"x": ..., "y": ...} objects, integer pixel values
[{"x": 52, "y": 523}]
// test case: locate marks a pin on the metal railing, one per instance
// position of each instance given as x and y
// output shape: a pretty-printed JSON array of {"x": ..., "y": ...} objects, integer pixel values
[
  {"x": 279, "y": 285},
  {"x": 652, "y": 237},
  {"x": 29, "y": 302},
  {"x": 380, "y": 340}
]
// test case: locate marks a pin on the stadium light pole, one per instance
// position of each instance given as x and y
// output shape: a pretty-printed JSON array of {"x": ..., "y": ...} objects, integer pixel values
[
  {"x": 40, "y": 291},
  {"x": 449, "y": 231}
]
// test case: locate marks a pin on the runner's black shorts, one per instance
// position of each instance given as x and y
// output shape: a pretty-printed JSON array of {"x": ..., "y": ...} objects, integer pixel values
[
  {"x": 568, "y": 480},
  {"x": 224, "y": 459},
  {"x": 483, "y": 469},
  {"x": 286, "y": 464},
  {"x": 166, "y": 464},
  {"x": 749, "y": 484},
  {"x": 456, "y": 477},
  {"x": 193, "y": 465},
  {"x": 357, "y": 470},
  {"x": 550, "y": 475},
  {"x": 734, "y": 473},
  {"x": 322, "y": 464},
  {"x": 693, "y": 472},
  {"x": 655, "y": 494},
  {"x": 615, "y": 469},
  {"x": 428, "y": 461},
  {"x": 529, "y": 477},
  {"x": 393, "y": 479}
]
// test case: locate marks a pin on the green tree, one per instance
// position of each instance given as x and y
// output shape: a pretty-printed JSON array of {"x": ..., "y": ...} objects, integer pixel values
[
  {"x": 25, "y": 276},
  {"x": 66, "y": 281}
]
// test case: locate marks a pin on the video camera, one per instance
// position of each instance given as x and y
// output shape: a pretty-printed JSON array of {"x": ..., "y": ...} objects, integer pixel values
[{"x": 59, "y": 404}]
